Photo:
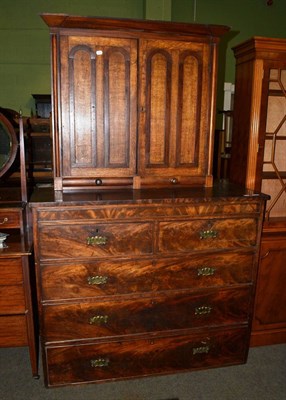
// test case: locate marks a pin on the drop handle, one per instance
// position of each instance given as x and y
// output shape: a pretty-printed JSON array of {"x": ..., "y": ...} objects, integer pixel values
[
  {"x": 97, "y": 280},
  {"x": 97, "y": 240},
  {"x": 98, "y": 320},
  {"x": 4, "y": 221},
  {"x": 99, "y": 362},
  {"x": 201, "y": 350},
  {"x": 206, "y": 271},
  {"x": 208, "y": 234},
  {"x": 203, "y": 310}
]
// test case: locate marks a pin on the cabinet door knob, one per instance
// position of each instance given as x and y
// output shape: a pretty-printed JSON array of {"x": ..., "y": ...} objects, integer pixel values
[
  {"x": 174, "y": 181},
  {"x": 98, "y": 182}
]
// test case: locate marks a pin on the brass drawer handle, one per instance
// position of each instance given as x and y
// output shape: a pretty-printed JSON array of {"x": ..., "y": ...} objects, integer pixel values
[
  {"x": 99, "y": 362},
  {"x": 96, "y": 240},
  {"x": 203, "y": 310},
  {"x": 201, "y": 350},
  {"x": 206, "y": 271},
  {"x": 4, "y": 221},
  {"x": 174, "y": 181},
  {"x": 208, "y": 234},
  {"x": 98, "y": 320},
  {"x": 97, "y": 280}
]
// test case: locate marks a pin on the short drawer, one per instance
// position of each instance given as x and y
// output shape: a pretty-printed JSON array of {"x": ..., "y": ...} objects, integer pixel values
[
  {"x": 116, "y": 316},
  {"x": 95, "y": 240},
  {"x": 105, "y": 278},
  {"x": 186, "y": 236},
  {"x": 10, "y": 271},
  {"x": 13, "y": 331},
  {"x": 12, "y": 299},
  {"x": 143, "y": 357},
  {"x": 10, "y": 219}
]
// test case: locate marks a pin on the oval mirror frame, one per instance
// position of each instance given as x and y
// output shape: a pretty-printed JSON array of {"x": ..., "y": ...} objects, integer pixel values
[{"x": 8, "y": 127}]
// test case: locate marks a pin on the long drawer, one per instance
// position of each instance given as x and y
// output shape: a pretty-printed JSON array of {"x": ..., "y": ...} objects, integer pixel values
[
  {"x": 133, "y": 358},
  {"x": 116, "y": 316},
  {"x": 96, "y": 240},
  {"x": 104, "y": 278}
]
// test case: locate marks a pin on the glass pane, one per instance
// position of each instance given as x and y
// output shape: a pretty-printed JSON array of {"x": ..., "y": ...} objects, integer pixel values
[{"x": 5, "y": 145}]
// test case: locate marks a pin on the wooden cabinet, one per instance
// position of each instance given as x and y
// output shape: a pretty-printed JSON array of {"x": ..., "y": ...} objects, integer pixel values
[
  {"x": 258, "y": 161},
  {"x": 138, "y": 283},
  {"x": 144, "y": 267},
  {"x": 134, "y": 102},
  {"x": 17, "y": 326}
]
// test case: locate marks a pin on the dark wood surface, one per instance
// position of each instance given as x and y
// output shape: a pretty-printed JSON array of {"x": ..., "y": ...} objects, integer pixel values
[
  {"x": 134, "y": 102},
  {"x": 155, "y": 283},
  {"x": 259, "y": 136}
]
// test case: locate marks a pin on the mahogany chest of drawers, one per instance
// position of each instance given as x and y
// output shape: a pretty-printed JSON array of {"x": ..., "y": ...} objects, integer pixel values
[{"x": 144, "y": 282}]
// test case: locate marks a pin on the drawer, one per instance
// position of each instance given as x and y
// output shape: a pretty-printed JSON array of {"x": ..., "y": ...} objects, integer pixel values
[
  {"x": 105, "y": 278},
  {"x": 95, "y": 240},
  {"x": 10, "y": 271},
  {"x": 186, "y": 236},
  {"x": 12, "y": 299},
  {"x": 147, "y": 211},
  {"x": 143, "y": 357},
  {"x": 13, "y": 331},
  {"x": 116, "y": 316},
  {"x": 10, "y": 219}
]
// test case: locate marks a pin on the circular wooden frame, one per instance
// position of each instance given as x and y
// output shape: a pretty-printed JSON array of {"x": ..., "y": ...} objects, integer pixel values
[{"x": 13, "y": 144}]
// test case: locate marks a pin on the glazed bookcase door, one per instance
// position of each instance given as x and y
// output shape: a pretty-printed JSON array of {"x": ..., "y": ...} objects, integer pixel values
[
  {"x": 174, "y": 111},
  {"x": 274, "y": 158},
  {"x": 98, "y": 80}
]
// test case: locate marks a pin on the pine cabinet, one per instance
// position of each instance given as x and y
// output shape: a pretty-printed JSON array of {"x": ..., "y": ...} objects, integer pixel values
[
  {"x": 134, "y": 102},
  {"x": 258, "y": 161}
]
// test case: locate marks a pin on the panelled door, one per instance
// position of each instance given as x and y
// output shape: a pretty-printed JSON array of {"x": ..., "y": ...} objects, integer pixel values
[
  {"x": 98, "y": 106},
  {"x": 174, "y": 111}
]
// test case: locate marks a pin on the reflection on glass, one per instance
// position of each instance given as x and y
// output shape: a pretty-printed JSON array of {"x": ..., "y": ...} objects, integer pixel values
[{"x": 5, "y": 145}]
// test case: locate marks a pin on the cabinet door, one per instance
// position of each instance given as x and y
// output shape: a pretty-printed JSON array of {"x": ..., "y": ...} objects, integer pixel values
[
  {"x": 270, "y": 311},
  {"x": 273, "y": 129},
  {"x": 174, "y": 127},
  {"x": 97, "y": 97}
]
